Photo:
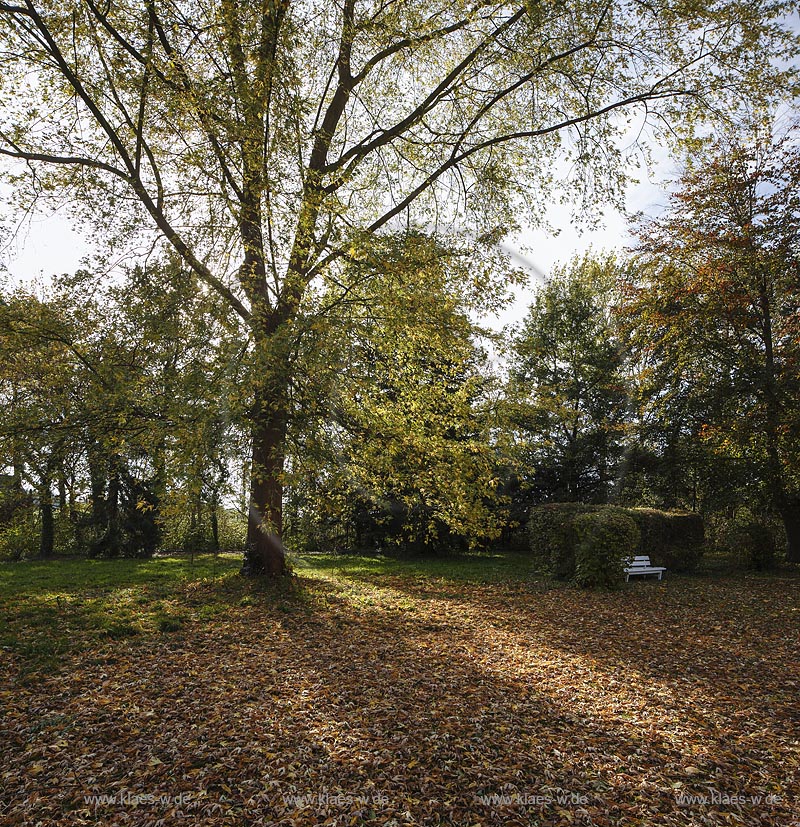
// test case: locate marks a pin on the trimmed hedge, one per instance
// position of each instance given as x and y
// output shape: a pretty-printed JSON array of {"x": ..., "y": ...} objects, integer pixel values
[
  {"x": 552, "y": 537},
  {"x": 670, "y": 539},
  {"x": 605, "y": 539},
  {"x": 673, "y": 540}
]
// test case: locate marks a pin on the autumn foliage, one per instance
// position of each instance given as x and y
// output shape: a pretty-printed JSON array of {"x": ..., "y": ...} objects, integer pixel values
[{"x": 377, "y": 695}]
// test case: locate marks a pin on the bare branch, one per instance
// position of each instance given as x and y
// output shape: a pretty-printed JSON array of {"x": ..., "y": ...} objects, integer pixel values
[
  {"x": 454, "y": 160},
  {"x": 204, "y": 115},
  {"x": 63, "y": 160},
  {"x": 126, "y": 44},
  {"x": 411, "y": 42},
  {"x": 432, "y": 99}
]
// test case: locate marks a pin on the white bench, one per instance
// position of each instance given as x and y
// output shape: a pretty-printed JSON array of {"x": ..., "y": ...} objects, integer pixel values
[{"x": 641, "y": 565}]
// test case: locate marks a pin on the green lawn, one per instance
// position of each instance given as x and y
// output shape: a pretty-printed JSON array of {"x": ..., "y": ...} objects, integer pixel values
[
  {"x": 467, "y": 568},
  {"x": 49, "y": 608}
]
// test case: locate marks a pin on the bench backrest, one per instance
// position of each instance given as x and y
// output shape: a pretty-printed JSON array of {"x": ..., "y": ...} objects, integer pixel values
[{"x": 638, "y": 563}]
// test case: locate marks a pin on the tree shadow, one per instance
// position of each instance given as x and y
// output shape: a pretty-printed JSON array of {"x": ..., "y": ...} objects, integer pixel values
[{"x": 422, "y": 709}]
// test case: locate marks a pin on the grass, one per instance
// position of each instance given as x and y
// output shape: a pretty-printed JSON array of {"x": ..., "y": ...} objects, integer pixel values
[
  {"x": 50, "y": 608},
  {"x": 53, "y": 607},
  {"x": 465, "y": 568}
]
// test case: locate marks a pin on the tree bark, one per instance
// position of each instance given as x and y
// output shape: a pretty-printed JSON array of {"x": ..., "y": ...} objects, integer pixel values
[
  {"x": 214, "y": 506},
  {"x": 264, "y": 552},
  {"x": 790, "y": 514},
  {"x": 62, "y": 493},
  {"x": 112, "y": 536},
  {"x": 47, "y": 539},
  {"x": 787, "y": 506},
  {"x": 98, "y": 479}
]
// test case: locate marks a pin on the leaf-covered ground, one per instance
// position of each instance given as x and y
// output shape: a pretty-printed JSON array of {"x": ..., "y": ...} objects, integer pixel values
[{"x": 383, "y": 695}]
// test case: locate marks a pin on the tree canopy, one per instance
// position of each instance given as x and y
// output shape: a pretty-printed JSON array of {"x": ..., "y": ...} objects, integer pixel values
[
  {"x": 124, "y": 401},
  {"x": 567, "y": 384},
  {"x": 267, "y": 142},
  {"x": 404, "y": 444},
  {"x": 715, "y": 308}
]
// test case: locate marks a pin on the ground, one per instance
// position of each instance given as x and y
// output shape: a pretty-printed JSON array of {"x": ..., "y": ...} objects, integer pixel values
[{"x": 463, "y": 692}]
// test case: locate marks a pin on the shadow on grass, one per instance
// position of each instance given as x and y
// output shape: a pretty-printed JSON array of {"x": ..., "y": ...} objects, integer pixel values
[
  {"x": 495, "y": 692},
  {"x": 52, "y": 608},
  {"x": 66, "y": 576},
  {"x": 456, "y": 568}
]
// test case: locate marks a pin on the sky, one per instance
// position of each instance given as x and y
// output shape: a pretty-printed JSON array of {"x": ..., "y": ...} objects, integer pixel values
[
  {"x": 47, "y": 244},
  {"x": 539, "y": 252},
  {"x": 44, "y": 246}
]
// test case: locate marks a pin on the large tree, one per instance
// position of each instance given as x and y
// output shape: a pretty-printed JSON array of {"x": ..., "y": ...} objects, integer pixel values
[
  {"x": 261, "y": 140},
  {"x": 715, "y": 310},
  {"x": 116, "y": 401},
  {"x": 39, "y": 389},
  {"x": 567, "y": 388}
]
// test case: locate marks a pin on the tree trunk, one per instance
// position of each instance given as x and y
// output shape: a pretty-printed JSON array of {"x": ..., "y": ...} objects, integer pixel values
[
  {"x": 264, "y": 553},
  {"x": 214, "y": 524},
  {"x": 72, "y": 510},
  {"x": 98, "y": 479},
  {"x": 62, "y": 492},
  {"x": 112, "y": 536},
  {"x": 47, "y": 538},
  {"x": 790, "y": 514}
]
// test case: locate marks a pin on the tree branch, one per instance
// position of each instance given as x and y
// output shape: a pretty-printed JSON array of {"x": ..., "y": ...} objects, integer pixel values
[
  {"x": 131, "y": 175},
  {"x": 453, "y": 160},
  {"x": 70, "y": 160},
  {"x": 410, "y": 42},
  {"x": 365, "y": 147}
]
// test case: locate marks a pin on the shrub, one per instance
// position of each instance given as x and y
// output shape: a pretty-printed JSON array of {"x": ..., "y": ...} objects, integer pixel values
[
  {"x": 748, "y": 539},
  {"x": 674, "y": 540},
  {"x": 13, "y": 499},
  {"x": 19, "y": 535},
  {"x": 605, "y": 538},
  {"x": 180, "y": 533},
  {"x": 755, "y": 544},
  {"x": 552, "y": 537},
  {"x": 232, "y": 528},
  {"x": 67, "y": 539}
]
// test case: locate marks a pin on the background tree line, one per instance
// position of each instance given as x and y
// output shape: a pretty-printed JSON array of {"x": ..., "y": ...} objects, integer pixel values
[
  {"x": 119, "y": 413},
  {"x": 268, "y": 144},
  {"x": 666, "y": 376}
]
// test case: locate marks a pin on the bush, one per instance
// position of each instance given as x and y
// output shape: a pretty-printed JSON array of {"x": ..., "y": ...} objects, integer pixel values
[
  {"x": 13, "y": 499},
  {"x": 19, "y": 535},
  {"x": 673, "y": 540},
  {"x": 552, "y": 537},
  {"x": 67, "y": 537},
  {"x": 754, "y": 543},
  {"x": 605, "y": 539},
  {"x": 232, "y": 530}
]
